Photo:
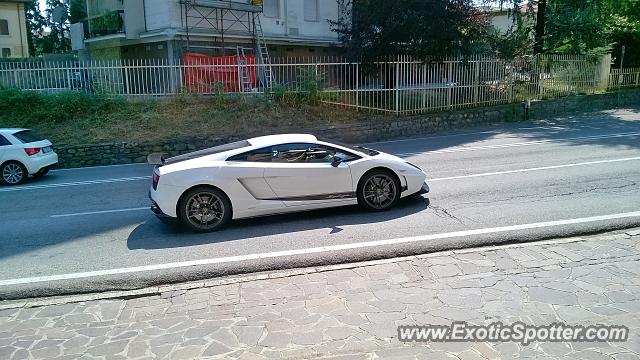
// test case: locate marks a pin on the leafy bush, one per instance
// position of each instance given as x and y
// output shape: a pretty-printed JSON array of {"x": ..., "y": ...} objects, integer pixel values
[{"x": 308, "y": 90}]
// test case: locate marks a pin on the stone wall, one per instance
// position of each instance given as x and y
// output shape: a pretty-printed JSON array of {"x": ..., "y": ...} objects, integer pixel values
[{"x": 394, "y": 127}]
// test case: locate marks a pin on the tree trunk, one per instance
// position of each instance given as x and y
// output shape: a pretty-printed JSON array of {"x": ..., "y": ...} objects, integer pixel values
[{"x": 541, "y": 20}]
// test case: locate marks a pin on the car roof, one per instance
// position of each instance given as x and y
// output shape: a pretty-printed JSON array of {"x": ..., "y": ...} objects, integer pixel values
[
  {"x": 11, "y": 130},
  {"x": 281, "y": 139}
]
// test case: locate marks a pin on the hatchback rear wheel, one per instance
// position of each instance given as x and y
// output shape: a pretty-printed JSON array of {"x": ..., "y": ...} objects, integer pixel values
[
  {"x": 13, "y": 173},
  {"x": 205, "y": 209}
]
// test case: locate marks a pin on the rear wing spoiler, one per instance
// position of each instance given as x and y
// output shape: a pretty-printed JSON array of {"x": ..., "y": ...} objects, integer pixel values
[
  {"x": 160, "y": 159},
  {"x": 156, "y": 159}
]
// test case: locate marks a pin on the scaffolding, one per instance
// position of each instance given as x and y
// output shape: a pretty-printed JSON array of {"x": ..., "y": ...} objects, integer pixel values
[{"x": 222, "y": 18}]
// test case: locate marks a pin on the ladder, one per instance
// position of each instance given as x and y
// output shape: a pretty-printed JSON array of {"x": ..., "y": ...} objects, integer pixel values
[
  {"x": 262, "y": 55},
  {"x": 244, "y": 77}
]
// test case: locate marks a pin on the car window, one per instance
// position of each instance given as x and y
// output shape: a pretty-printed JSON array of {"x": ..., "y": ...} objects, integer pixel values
[
  {"x": 294, "y": 153},
  {"x": 4, "y": 141},
  {"x": 308, "y": 153},
  {"x": 27, "y": 136},
  {"x": 259, "y": 155}
]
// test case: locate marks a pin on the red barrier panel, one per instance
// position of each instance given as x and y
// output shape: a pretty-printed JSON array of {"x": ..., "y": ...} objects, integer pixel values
[{"x": 202, "y": 72}]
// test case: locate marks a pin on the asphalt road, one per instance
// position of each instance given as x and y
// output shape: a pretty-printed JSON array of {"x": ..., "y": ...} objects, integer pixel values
[{"x": 83, "y": 230}]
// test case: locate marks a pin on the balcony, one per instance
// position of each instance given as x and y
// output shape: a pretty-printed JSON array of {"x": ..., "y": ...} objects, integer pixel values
[{"x": 106, "y": 24}]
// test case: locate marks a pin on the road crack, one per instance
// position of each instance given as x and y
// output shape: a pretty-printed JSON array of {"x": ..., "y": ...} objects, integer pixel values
[{"x": 444, "y": 213}]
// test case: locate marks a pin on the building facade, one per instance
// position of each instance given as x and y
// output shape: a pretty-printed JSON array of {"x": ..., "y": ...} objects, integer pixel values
[
  {"x": 139, "y": 29},
  {"x": 13, "y": 29}
]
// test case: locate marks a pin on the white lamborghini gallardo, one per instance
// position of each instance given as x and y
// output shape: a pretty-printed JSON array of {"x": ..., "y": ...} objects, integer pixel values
[{"x": 276, "y": 174}]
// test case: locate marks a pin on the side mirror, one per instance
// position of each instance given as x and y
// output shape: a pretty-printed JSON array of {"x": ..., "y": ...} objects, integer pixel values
[{"x": 337, "y": 160}]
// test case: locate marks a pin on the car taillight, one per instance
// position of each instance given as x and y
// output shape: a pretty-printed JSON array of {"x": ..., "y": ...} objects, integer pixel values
[
  {"x": 155, "y": 180},
  {"x": 31, "y": 151}
]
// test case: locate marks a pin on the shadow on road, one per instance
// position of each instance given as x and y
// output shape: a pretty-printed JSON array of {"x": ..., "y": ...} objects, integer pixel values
[
  {"x": 567, "y": 130},
  {"x": 155, "y": 235}
]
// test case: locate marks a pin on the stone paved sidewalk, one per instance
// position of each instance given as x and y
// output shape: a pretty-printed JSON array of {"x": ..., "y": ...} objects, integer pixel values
[{"x": 352, "y": 311}]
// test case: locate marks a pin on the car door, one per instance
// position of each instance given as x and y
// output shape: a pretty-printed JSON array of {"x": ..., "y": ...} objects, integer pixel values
[
  {"x": 300, "y": 173},
  {"x": 253, "y": 196}
]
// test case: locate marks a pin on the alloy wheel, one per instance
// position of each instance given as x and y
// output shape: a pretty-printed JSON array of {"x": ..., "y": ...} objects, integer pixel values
[
  {"x": 12, "y": 174},
  {"x": 204, "y": 210},
  {"x": 379, "y": 192}
]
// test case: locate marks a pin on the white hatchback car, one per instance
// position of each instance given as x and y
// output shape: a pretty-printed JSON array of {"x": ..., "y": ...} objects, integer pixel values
[{"x": 24, "y": 153}]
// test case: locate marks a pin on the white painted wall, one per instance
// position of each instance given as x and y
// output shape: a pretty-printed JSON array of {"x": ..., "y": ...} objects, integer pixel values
[
  {"x": 502, "y": 21},
  {"x": 164, "y": 14},
  {"x": 161, "y": 14},
  {"x": 16, "y": 41}
]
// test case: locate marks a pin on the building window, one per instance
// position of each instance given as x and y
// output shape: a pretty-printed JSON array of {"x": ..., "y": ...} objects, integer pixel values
[
  {"x": 4, "y": 27},
  {"x": 271, "y": 8},
  {"x": 310, "y": 10},
  {"x": 6, "y": 52}
]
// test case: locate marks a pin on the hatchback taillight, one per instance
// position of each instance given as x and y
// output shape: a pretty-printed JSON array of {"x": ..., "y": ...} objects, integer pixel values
[
  {"x": 31, "y": 151},
  {"x": 155, "y": 179}
]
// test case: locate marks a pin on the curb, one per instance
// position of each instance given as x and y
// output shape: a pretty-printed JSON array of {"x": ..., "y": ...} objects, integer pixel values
[{"x": 275, "y": 274}]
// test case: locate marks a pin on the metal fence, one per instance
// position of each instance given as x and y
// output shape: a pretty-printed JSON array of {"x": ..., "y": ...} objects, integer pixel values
[
  {"x": 399, "y": 86},
  {"x": 625, "y": 77}
]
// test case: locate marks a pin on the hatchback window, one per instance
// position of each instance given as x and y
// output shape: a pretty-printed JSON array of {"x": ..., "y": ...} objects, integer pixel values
[
  {"x": 4, "y": 141},
  {"x": 27, "y": 136}
]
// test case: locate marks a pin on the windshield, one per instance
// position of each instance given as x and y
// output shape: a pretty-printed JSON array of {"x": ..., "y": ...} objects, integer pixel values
[
  {"x": 27, "y": 136},
  {"x": 358, "y": 148}
]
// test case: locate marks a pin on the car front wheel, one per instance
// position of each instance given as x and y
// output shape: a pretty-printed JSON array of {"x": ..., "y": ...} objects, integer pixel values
[
  {"x": 205, "y": 209},
  {"x": 13, "y": 173},
  {"x": 378, "y": 190}
]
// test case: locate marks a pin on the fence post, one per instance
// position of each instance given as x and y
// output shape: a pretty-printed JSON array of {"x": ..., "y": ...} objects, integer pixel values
[
  {"x": 424, "y": 87},
  {"x": 16, "y": 77},
  {"x": 476, "y": 82},
  {"x": 449, "y": 83},
  {"x": 357, "y": 87},
  {"x": 126, "y": 78},
  {"x": 638, "y": 77},
  {"x": 397, "y": 87}
]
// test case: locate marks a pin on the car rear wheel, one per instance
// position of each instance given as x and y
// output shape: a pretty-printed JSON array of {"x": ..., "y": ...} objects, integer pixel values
[
  {"x": 13, "y": 173},
  {"x": 205, "y": 209},
  {"x": 378, "y": 190}
]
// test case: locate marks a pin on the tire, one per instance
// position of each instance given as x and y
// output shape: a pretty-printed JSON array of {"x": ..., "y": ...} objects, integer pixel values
[
  {"x": 378, "y": 190},
  {"x": 41, "y": 173},
  {"x": 204, "y": 209},
  {"x": 13, "y": 173}
]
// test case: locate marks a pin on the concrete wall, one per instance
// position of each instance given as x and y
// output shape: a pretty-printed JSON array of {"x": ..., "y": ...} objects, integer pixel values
[
  {"x": 16, "y": 41},
  {"x": 161, "y": 14},
  {"x": 121, "y": 153},
  {"x": 167, "y": 14}
]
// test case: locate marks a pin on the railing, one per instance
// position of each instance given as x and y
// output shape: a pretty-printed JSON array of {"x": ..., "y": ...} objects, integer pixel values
[
  {"x": 400, "y": 86},
  {"x": 106, "y": 24},
  {"x": 625, "y": 77}
]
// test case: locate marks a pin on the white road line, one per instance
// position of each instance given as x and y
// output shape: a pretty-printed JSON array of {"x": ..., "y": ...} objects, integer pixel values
[
  {"x": 99, "y": 167},
  {"x": 535, "y": 169},
  {"x": 315, "y": 250},
  {"x": 76, "y": 183},
  {"x": 100, "y": 212},
  {"x": 526, "y": 143}
]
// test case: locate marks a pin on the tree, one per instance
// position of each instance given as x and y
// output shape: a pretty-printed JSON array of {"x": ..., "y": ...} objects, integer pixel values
[
  {"x": 422, "y": 29},
  {"x": 35, "y": 26},
  {"x": 57, "y": 16},
  {"x": 583, "y": 26}
]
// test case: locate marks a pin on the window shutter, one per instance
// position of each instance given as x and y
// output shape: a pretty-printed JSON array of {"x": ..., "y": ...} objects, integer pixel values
[{"x": 311, "y": 10}]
